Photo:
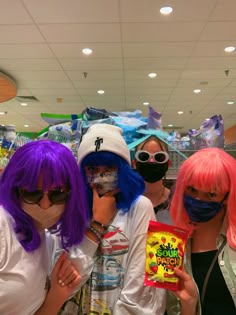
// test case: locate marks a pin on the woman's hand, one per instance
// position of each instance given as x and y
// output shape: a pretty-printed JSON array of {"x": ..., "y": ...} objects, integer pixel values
[
  {"x": 104, "y": 207},
  {"x": 64, "y": 280},
  {"x": 65, "y": 273},
  {"x": 188, "y": 292}
]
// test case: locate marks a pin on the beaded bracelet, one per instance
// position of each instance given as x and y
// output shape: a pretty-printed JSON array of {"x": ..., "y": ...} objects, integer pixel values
[
  {"x": 96, "y": 233},
  {"x": 99, "y": 224}
]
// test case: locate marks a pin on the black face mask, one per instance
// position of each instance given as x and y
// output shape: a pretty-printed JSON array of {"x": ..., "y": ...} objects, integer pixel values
[{"x": 152, "y": 172}]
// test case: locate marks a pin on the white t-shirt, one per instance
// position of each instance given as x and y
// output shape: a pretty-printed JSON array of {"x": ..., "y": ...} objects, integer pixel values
[
  {"x": 116, "y": 284},
  {"x": 22, "y": 274}
]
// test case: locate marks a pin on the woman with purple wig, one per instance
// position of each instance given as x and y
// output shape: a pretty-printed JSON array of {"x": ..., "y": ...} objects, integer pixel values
[{"x": 41, "y": 204}]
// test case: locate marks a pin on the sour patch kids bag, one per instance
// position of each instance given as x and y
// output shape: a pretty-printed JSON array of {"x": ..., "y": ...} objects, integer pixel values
[{"x": 164, "y": 250}]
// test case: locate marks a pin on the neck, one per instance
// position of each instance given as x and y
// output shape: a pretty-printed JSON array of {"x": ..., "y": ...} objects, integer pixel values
[
  {"x": 205, "y": 235},
  {"x": 156, "y": 192},
  {"x": 154, "y": 188}
]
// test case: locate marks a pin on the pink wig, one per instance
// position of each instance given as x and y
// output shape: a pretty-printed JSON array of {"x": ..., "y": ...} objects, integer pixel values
[{"x": 211, "y": 170}]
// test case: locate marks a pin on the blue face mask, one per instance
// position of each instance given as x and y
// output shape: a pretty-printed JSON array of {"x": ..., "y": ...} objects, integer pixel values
[{"x": 201, "y": 211}]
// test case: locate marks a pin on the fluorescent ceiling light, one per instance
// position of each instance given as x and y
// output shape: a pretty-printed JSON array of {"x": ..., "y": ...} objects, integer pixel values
[
  {"x": 196, "y": 91},
  {"x": 145, "y": 103}
]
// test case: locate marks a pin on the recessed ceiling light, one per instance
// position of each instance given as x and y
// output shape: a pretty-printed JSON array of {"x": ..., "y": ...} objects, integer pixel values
[
  {"x": 3, "y": 113},
  {"x": 152, "y": 75},
  {"x": 180, "y": 112},
  {"x": 87, "y": 51},
  {"x": 26, "y": 126},
  {"x": 230, "y": 102},
  {"x": 166, "y": 10},
  {"x": 229, "y": 49},
  {"x": 145, "y": 103},
  {"x": 24, "y": 104},
  {"x": 196, "y": 91},
  {"x": 100, "y": 92},
  {"x": 170, "y": 125}
]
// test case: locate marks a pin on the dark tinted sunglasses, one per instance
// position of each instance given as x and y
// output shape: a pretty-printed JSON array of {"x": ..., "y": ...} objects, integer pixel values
[
  {"x": 160, "y": 157},
  {"x": 56, "y": 196}
]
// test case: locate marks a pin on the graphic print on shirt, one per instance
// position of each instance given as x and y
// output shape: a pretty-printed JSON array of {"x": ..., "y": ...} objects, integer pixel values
[
  {"x": 101, "y": 292},
  {"x": 107, "y": 278},
  {"x": 108, "y": 273},
  {"x": 114, "y": 242},
  {"x": 100, "y": 307}
]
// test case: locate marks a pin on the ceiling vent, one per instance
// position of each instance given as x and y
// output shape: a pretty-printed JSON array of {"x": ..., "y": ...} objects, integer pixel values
[{"x": 27, "y": 99}]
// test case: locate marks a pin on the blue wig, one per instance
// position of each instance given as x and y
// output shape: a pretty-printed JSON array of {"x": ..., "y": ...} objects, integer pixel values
[
  {"x": 130, "y": 183},
  {"x": 59, "y": 167}
]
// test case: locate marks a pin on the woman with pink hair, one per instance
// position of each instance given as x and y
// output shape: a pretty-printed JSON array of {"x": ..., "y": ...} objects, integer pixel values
[{"x": 204, "y": 201}]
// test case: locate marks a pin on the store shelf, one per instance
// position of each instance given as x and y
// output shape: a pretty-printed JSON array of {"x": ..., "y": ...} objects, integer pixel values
[{"x": 177, "y": 159}]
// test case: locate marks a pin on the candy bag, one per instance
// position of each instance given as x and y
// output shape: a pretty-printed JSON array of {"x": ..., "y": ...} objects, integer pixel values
[{"x": 165, "y": 249}]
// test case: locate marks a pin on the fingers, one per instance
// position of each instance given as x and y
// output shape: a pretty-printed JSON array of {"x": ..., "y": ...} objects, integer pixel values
[
  {"x": 74, "y": 283},
  {"x": 65, "y": 268},
  {"x": 104, "y": 207},
  {"x": 60, "y": 262},
  {"x": 182, "y": 274},
  {"x": 67, "y": 274},
  {"x": 187, "y": 291},
  {"x": 71, "y": 279},
  {"x": 112, "y": 192},
  {"x": 95, "y": 194}
]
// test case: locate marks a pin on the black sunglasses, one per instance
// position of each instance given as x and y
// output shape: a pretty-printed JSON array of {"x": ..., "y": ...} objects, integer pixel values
[
  {"x": 56, "y": 196},
  {"x": 160, "y": 157}
]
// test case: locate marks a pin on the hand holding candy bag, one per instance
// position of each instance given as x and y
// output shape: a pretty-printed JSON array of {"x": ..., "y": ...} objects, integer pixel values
[{"x": 164, "y": 250}]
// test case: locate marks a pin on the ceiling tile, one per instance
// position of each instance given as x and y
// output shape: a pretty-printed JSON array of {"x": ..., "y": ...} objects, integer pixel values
[
  {"x": 23, "y": 51},
  {"x": 14, "y": 12},
  {"x": 183, "y": 10},
  {"x": 20, "y": 34},
  {"x": 84, "y": 11},
  {"x": 105, "y": 50},
  {"x": 81, "y": 33},
  {"x": 162, "y": 32},
  {"x": 87, "y": 64}
]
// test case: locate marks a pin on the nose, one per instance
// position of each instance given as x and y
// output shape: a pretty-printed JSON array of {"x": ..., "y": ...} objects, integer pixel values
[
  {"x": 45, "y": 203},
  {"x": 200, "y": 195},
  {"x": 151, "y": 159}
]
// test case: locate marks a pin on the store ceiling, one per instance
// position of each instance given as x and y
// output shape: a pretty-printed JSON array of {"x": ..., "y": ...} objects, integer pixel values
[{"x": 41, "y": 46}]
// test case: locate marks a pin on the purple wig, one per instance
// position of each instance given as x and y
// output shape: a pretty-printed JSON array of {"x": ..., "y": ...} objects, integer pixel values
[
  {"x": 59, "y": 167},
  {"x": 130, "y": 183}
]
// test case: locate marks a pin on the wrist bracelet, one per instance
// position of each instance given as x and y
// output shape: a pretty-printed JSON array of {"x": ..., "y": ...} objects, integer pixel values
[
  {"x": 99, "y": 224},
  {"x": 96, "y": 233}
]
